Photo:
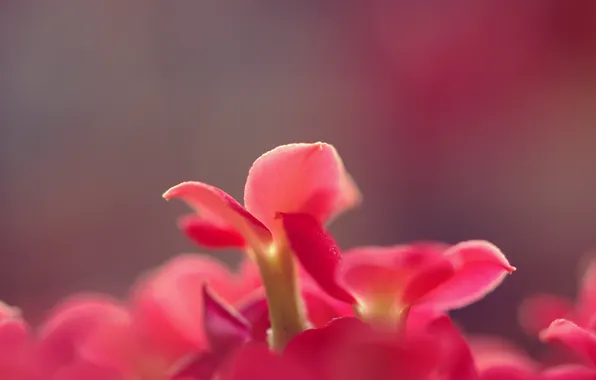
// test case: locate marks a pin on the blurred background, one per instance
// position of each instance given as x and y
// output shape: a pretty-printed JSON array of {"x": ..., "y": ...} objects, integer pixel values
[{"x": 459, "y": 120}]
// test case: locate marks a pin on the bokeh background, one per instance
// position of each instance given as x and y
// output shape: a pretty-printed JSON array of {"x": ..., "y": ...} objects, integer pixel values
[{"x": 459, "y": 120}]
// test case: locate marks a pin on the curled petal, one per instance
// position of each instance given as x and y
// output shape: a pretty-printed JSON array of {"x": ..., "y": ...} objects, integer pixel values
[
  {"x": 210, "y": 235},
  {"x": 225, "y": 328},
  {"x": 537, "y": 313},
  {"x": 580, "y": 340},
  {"x": 226, "y": 331},
  {"x": 299, "y": 178},
  {"x": 403, "y": 273},
  {"x": 317, "y": 251},
  {"x": 219, "y": 209},
  {"x": 480, "y": 268}
]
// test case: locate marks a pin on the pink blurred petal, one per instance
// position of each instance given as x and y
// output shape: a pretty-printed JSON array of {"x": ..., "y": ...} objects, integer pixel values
[
  {"x": 299, "y": 178},
  {"x": 226, "y": 331},
  {"x": 569, "y": 372},
  {"x": 167, "y": 305},
  {"x": 480, "y": 268},
  {"x": 587, "y": 294},
  {"x": 580, "y": 340},
  {"x": 220, "y": 209},
  {"x": 317, "y": 252},
  {"x": 68, "y": 336},
  {"x": 207, "y": 234},
  {"x": 537, "y": 313},
  {"x": 491, "y": 352}
]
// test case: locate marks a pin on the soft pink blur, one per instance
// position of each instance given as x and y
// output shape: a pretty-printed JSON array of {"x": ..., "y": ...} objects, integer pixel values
[{"x": 473, "y": 120}]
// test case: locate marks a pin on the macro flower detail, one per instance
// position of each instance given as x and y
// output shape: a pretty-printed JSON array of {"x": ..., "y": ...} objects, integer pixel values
[
  {"x": 298, "y": 307},
  {"x": 297, "y": 178}
]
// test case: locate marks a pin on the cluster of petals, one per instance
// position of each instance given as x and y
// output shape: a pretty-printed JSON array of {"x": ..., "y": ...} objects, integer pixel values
[{"x": 368, "y": 312}]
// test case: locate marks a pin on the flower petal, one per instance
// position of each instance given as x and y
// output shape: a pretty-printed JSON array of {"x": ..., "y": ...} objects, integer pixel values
[
  {"x": 537, "y": 313},
  {"x": 317, "y": 252},
  {"x": 68, "y": 339},
  {"x": 167, "y": 304},
  {"x": 580, "y": 340},
  {"x": 257, "y": 362},
  {"x": 480, "y": 268},
  {"x": 210, "y": 235},
  {"x": 299, "y": 178},
  {"x": 402, "y": 273},
  {"x": 226, "y": 331},
  {"x": 225, "y": 328},
  {"x": 587, "y": 295},
  {"x": 220, "y": 209},
  {"x": 569, "y": 372}
]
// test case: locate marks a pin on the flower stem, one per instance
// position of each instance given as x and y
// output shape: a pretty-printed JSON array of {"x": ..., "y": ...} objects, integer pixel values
[{"x": 287, "y": 313}]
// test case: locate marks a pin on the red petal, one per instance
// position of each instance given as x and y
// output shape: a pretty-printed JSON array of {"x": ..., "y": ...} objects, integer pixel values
[
  {"x": 256, "y": 362},
  {"x": 537, "y": 313},
  {"x": 578, "y": 339},
  {"x": 480, "y": 268},
  {"x": 225, "y": 328},
  {"x": 220, "y": 209},
  {"x": 299, "y": 178},
  {"x": 207, "y": 234},
  {"x": 317, "y": 252},
  {"x": 226, "y": 331}
]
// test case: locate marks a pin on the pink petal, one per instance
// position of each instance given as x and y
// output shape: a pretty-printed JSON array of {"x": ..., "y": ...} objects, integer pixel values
[
  {"x": 226, "y": 331},
  {"x": 537, "y": 313},
  {"x": 317, "y": 252},
  {"x": 480, "y": 268},
  {"x": 220, "y": 209},
  {"x": 167, "y": 304},
  {"x": 207, "y": 234},
  {"x": 569, "y": 372},
  {"x": 492, "y": 352},
  {"x": 582, "y": 341},
  {"x": 299, "y": 178},
  {"x": 587, "y": 294},
  {"x": 66, "y": 337},
  {"x": 407, "y": 273}
]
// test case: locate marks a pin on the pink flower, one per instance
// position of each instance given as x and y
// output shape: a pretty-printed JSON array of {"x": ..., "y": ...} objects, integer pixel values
[
  {"x": 497, "y": 359},
  {"x": 385, "y": 282},
  {"x": 167, "y": 304},
  {"x": 348, "y": 349},
  {"x": 295, "y": 178},
  {"x": 536, "y": 313},
  {"x": 581, "y": 340},
  {"x": 86, "y": 336},
  {"x": 15, "y": 346}
]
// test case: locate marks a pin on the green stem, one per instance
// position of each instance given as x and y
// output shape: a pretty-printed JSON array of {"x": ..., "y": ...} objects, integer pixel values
[{"x": 286, "y": 307}]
